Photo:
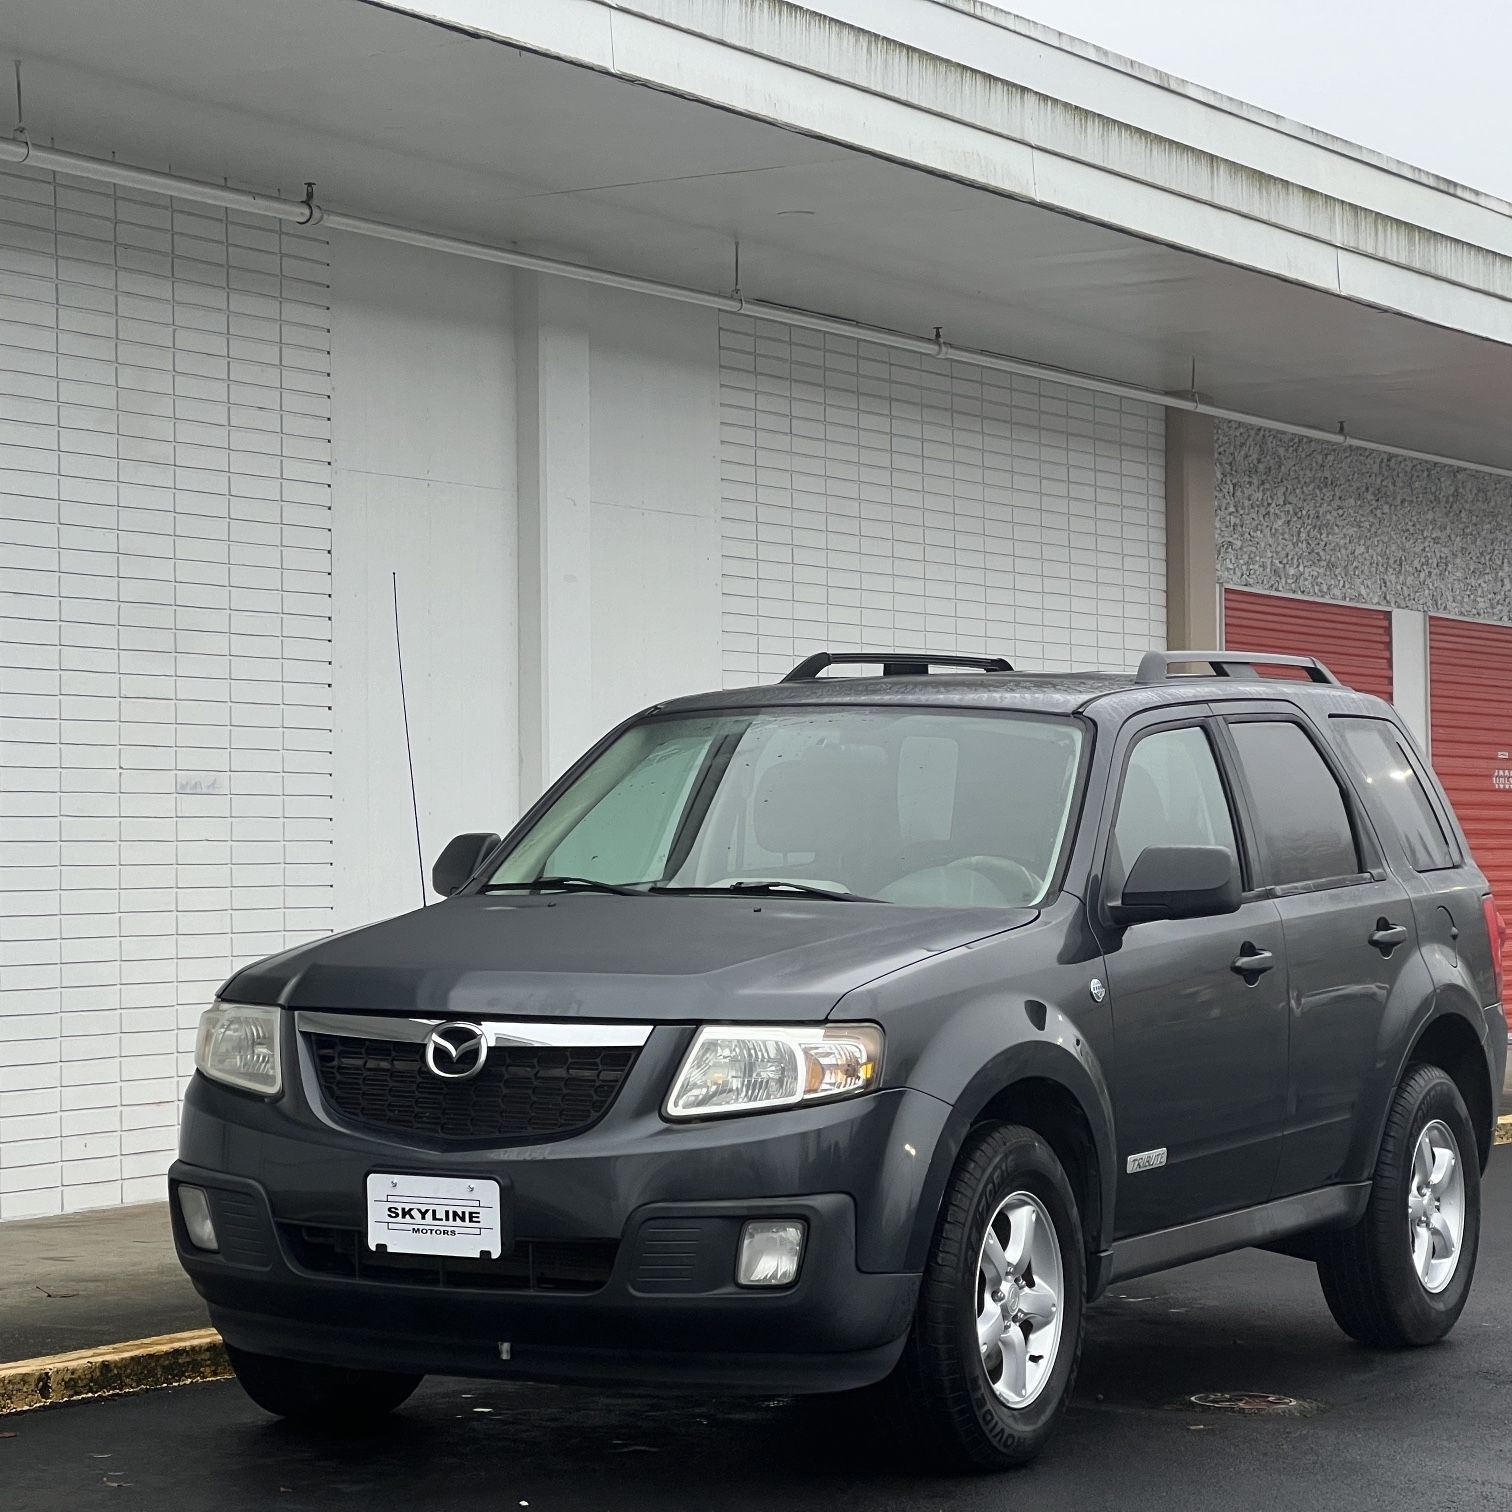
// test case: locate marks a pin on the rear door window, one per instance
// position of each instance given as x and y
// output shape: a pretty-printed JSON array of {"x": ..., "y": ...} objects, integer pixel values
[
  {"x": 1300, "y": 816},
  {"x": 1391, "y": 782}
]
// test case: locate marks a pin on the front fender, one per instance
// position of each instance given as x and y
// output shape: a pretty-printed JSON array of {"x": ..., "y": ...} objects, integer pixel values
[
  {"x": 967, "y": 1025},
  {"x": 1059, "y": 1055}
]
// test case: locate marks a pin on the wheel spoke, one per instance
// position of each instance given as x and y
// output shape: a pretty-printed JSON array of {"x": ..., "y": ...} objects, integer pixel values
[
  {"x": 1444, "y": 1163},
  {"x": 1443, "y": 1237},
  {"x": 1015, "y": 1363},
  {"x": 1022, "y": 1226},
  {"x": 994, "y": 1261},
  {"x": 1422, "y": 1164},
  {"x": 1422, "y": 1251},
  {"x": 989, "y": 1327},
  {"x": 1038, "y": 1305}
]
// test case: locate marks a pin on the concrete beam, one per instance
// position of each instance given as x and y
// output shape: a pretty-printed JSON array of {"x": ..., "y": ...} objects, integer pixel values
[
  {"x": 1193, "y": 617},
  {"x": 974, "y": 98},
  {"x": 1409, "y": 670},
  {"x": 555, "y": 515}
]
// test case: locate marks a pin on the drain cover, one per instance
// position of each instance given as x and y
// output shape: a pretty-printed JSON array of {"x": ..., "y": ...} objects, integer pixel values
[{"x": 1251, "y": 1403}]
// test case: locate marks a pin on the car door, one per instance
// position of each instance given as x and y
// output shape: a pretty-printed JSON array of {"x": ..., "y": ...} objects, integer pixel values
[
  {"x": 1349, "y": 926},
  {"x": 1198, "y": 1005}
]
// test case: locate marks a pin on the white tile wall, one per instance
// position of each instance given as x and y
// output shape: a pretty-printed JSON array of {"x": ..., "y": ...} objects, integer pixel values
[
  {"x": 165, "y": 727},
  {"x": 876, "y": 499}
]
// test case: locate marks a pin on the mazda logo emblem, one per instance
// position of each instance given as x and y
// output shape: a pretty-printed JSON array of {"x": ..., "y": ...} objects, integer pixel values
[{"x": 454, "y": 1052}]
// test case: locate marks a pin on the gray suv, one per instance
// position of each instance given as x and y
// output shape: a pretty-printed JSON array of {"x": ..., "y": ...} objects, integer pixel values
[{"x": 860, "y": 1031}]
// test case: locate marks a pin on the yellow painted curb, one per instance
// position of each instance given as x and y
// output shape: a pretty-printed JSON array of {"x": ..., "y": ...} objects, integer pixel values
[
  {"x": 113, "y": 1370},
  {"x": 1503, "y": 1130}
]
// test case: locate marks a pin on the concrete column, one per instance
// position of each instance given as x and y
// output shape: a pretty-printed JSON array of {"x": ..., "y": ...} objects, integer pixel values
[
  {"x": 555, "y": 512},
  {"x": 1192, "y": 606},
  {"x": 1409, "y": 670}
]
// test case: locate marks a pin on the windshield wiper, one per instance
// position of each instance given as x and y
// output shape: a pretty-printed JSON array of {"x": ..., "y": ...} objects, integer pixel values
[
  {"x": 774, "y": 885},
  {"x": 579, "y": 884}
]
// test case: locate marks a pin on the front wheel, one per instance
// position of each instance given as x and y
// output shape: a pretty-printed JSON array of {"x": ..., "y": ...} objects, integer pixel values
[
  {"x": 1401, "y": 1276},
  {"x": 320, "y": 1396},
  {"x": 990, "y": 1363}
]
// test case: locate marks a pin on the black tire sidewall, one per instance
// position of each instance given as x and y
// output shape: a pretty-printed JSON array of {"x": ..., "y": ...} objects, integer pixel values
[
  {"x": 332, "y": 1395},
  {"x": 1427, "y": 1096}
]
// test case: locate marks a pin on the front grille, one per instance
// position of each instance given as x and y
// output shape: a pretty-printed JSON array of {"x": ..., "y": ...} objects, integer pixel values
[
  {"x": 523, "y": 1091},
  {"x": 532, "y": 1265}
]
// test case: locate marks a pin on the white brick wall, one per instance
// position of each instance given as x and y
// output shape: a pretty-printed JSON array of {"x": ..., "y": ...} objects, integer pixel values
[
  {"x": 875, "y": 499},
  {"x": 165, "y": 729}
]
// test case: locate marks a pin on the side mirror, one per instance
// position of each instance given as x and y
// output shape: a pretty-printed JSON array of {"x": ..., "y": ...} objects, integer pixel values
[
  {"x": 1179, "y": 882},
  {"x": 461, "y": 858}
]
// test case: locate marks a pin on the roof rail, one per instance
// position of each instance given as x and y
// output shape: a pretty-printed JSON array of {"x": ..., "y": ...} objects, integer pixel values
[
  {"x": 893, "y": 663},
  {"x": 1155, "y": 666}
]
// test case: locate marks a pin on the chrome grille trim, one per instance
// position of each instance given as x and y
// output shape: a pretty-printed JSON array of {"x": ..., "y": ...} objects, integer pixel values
[{"x": 553, "y": 1034}]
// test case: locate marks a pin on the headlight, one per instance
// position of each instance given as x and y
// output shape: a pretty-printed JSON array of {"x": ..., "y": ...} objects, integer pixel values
[
  {"x": 735, "y": 1069},
  {"x": 238, "y": 1045}
]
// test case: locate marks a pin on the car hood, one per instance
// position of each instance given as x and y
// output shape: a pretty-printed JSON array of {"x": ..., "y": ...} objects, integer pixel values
[{"x": 601, "y": 956}]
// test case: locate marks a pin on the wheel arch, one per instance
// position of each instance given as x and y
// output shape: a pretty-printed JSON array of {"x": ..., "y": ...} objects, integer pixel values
[
  {"x": 1054, "y": 1112},
  {"x": 1065, "y": 1101},
  {"x": 1450, "y": 1042}
]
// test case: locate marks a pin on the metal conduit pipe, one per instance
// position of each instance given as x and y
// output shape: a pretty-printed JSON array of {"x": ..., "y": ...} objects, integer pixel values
[
  {"x": 22, "y": 150},
  {"x": 305, "y": 212}
]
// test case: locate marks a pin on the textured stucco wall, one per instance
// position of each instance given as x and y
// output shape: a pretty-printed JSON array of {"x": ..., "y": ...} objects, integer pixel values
[{"x": 1322, "y": 521}]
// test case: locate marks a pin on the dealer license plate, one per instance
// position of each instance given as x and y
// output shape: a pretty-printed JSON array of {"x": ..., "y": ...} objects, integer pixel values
[{"x": 434, "y": 1215}]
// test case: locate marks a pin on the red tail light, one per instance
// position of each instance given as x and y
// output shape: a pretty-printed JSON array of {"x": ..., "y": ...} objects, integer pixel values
[{"x": 1496, "y": 927}]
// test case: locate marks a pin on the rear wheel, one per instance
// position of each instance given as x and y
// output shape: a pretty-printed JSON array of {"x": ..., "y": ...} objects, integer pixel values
[
  {"x": 989, "y": 1366},
  {"x": 1401, "y": 1276},
  {"x": 320, "y": 1395}
]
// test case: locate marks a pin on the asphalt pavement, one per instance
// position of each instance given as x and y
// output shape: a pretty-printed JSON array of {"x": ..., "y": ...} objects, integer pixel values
[{"x": 1366, "y": 1431}]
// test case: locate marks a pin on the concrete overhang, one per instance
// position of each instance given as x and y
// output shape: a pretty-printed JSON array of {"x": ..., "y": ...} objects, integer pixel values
[{"x": 906, "y": 163}]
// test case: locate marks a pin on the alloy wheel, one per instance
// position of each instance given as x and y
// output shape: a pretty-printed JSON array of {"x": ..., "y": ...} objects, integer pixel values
[
  {"x": 1436, "y": 1206},
  {"x": 1019, "y": 1285}
]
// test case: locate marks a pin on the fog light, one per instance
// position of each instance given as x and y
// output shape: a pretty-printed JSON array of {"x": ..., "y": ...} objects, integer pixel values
[
  {"x": 194, "y": 1204},
  {"x": 770, "y": 1253}
]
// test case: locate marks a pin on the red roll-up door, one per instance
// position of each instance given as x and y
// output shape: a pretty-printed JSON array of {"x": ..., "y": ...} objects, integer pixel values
[
  {"x": 1354, "y": 643},
  {"x": 1470, "y": 713}
]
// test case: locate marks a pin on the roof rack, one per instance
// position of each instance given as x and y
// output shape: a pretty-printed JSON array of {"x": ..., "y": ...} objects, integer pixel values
[
  {"x": 1155, "y": 666},
  {"x": 893, "y": 663}
]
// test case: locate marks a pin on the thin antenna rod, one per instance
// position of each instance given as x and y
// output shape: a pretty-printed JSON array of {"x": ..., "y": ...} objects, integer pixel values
[{"x": 409, "y": 749}]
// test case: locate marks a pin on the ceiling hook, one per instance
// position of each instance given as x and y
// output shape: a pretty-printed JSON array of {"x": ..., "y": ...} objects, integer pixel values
[
  {"x": 735, "y": 293},
  {"x": 313, "y": 213},
  {"x": 20, "y": 129}
]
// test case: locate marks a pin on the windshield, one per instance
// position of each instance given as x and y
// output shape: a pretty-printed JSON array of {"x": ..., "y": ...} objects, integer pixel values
[{"x": 926, "y": 808}]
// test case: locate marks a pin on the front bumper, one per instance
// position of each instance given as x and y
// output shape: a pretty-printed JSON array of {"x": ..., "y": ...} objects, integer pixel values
[{"x": 664, "y": 1203}]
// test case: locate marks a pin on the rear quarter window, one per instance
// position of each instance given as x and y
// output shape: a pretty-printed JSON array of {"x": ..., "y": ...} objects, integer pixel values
[{"x": 1392, "y": 786}]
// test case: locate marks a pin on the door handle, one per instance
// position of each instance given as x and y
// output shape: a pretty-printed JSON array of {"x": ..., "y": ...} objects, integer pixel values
[
  {"x": 1252, "y": 963},
  {"x": 1388, "y": 936}
]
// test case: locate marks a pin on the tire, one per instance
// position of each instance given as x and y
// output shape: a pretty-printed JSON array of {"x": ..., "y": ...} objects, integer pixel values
[
  {"x": 1372, "y": 1273},
  {"x": 320, "y": 1396},
  {"x": 946, "y": 1394}
]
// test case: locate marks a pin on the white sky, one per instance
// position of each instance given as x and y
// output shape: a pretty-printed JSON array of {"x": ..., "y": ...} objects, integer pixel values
[{"x": 1426, "y": 81}]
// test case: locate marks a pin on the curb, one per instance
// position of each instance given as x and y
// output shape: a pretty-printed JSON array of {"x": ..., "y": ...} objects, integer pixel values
[
  {"x": 1503, "y": 1134},
  {"x": 113, "y": 1370}
]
